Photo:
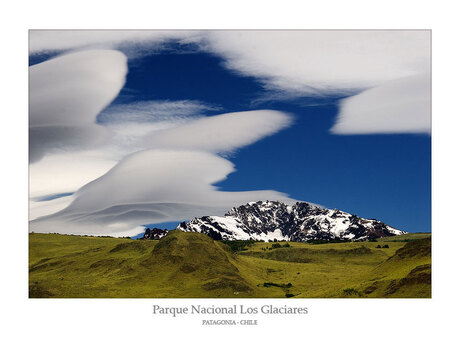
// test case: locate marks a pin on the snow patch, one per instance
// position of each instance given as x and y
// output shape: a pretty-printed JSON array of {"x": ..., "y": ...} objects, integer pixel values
[{"x": 233, "y": 225}]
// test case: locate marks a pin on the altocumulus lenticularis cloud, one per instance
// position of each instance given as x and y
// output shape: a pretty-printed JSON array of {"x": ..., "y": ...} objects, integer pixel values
[
  {"x": 66, "y": 94},
  {"x": 150, "y": 186},
  {"x": 221, "y": 133},
  {"x": 400, "y": 106},
  {"x": 81, "y": 133},
  {"x": 290, "y": 63}
]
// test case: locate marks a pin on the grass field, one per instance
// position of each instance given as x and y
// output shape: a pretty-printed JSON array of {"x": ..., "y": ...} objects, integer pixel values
[{"x": 193, "y": 265}]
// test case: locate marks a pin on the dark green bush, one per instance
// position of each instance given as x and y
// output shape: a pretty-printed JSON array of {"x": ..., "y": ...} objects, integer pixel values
[
  {"x": 328, "y": 241},
  {"x": 350, "y": 291},
  {"x": 239, "y": 245},
  {"x": 283, "y": 286}
]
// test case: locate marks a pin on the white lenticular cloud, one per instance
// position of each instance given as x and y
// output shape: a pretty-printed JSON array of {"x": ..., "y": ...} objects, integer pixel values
[
  {"x": 130, "y": 122},
  {"x": 400, "y": 106},
  {"x": 67, "y": 172},
  {"x": 58, "y": 40},
  {"x": 318, "y": 61},
  {"x": 221, "y": 133},
  {"x": 151, "y": 186},
  {"x": 148, "y": 186},
  {"x": 290, "y": 63},
  {"x": 40, "y": 208},
  {"x": 65, "y": 96},
  {"x": 58, "y": 175},
  {"x": 311, "y": 61},
  {"x": 81, "y": 180}
]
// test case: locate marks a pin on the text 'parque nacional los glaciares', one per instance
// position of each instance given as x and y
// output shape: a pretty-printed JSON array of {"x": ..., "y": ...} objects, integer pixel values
[{"x": 230, "y": 310}]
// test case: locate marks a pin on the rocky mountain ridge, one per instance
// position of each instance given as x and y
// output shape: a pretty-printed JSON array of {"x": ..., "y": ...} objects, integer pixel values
[
  {"x": 301, "y": 222},
  {"x": 154, "y": 233}
]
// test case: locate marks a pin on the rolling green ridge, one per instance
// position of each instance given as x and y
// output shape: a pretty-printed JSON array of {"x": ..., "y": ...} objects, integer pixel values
[{"x": 193, "y": 265}]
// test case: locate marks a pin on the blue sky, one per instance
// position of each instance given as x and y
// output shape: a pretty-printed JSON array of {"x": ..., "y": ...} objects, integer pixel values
[
  {"x": 325, "y": 143},
  {"x": 382, "y": 176}
]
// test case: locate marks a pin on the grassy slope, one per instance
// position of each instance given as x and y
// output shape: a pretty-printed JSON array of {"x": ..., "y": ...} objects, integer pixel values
[
  {"x": 405, "y": 238},
  {"x": 193, "y": 265}
]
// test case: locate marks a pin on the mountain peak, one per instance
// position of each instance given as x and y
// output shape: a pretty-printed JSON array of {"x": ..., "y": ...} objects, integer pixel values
[{"x": 301, "y": 222}]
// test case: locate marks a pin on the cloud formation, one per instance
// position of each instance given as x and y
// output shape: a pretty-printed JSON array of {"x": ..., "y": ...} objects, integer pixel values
[
  {"x": 67, "y": 172},
  {"x": 222, "y": 133},
  {"x": 323, "y": 61},
  {"x": 294, "y": 63},
  {"x": 174, "y": 178},
  {"x": 400, "y": 106},
  {"x": 39, "y": 208},
  {"x": 129, "y": 123},
  {"x": 147, "y": 187},
  {"x": 154, "y": 111},
  {"x": 67, "y": 148},
  {"x": 66, "y": 94},
  {"x": 43, "y": 41},
  {"x": 309, "y": 61}
]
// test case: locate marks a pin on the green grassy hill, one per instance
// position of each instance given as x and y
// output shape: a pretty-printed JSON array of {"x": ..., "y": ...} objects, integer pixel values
[{"x": 193, "y": 265}]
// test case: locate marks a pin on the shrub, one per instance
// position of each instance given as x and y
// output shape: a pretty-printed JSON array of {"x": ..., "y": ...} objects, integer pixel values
[
  {"x": 239, "y": 245},
  {"x": 283, "y": 286},
  {"x": 334, "y": 240},
  {"x": 350, "y": 291}
]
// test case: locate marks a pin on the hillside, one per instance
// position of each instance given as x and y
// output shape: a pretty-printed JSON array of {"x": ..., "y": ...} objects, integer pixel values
[
  {"x": 407, "y": 271},
  {"x": 194, "y": 265}
]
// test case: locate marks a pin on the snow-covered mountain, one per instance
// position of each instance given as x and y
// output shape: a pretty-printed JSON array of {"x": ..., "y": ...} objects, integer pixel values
[
  {"x": 301, "y": 222},
  {"x": 154, "y": 233}
]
